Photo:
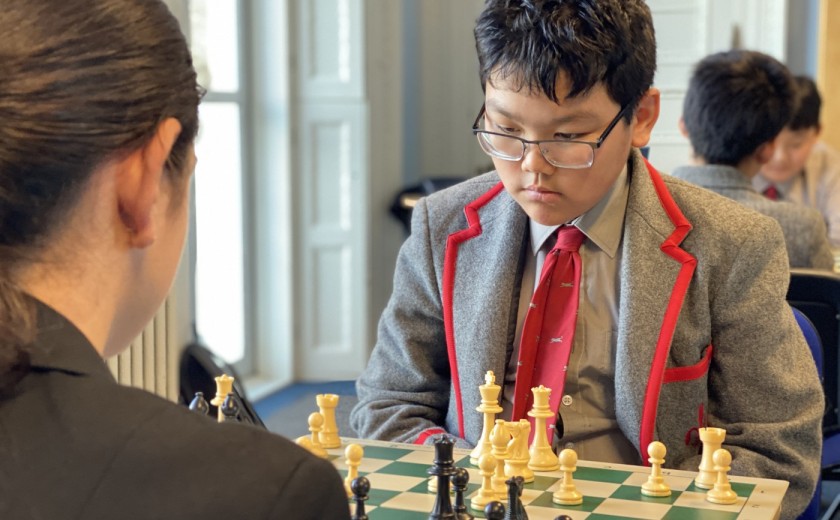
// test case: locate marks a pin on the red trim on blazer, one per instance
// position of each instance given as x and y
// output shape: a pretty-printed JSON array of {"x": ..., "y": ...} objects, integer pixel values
[
  {"x": 679, "y": 374},
  {"x": 666, "y": 332},
  {"x": 421, "y": 439},
  {"x": 450, "y": 259}
]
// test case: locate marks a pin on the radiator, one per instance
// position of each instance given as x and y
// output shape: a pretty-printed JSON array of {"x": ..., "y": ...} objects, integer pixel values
[{"x": 151, "y": 363}]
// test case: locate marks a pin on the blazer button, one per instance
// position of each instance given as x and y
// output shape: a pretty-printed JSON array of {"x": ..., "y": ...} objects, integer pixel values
[{"x": 567, "y": 400}]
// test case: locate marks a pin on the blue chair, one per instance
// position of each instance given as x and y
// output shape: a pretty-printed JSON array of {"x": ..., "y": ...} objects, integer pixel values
[
  {"x": 830, "y": 459},
  {"x": 814, "y": 343}
]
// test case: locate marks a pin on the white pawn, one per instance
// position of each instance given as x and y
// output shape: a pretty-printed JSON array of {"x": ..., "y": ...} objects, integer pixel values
[
  {"x": 655, "y": 485},
  {"x": 316, "y": 423},
  {"x": 353, "y": 458},
  {"x": 486, "y": 494},
  {"x": 722, "y": 492},
  {"x": 567, "y": 494}
]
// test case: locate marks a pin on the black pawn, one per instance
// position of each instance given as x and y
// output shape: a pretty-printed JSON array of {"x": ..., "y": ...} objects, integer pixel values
[
  {"x": 459, "y": 483},
  {"x": 230, "y": 409},
  {"x": 563, "y": 517},
  {"x": 443, "y": 469},
  {"x": 494, "y": 511},
  {"x": 199, "y": 404},
  {"x": 515, "y": 509},
  {"x": 360, "y": 486}
]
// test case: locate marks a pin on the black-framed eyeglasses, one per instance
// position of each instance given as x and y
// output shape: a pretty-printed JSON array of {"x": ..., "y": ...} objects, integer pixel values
[{"x": 561, "y": 153}]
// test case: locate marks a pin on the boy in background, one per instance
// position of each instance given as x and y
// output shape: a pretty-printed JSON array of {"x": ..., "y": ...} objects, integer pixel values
[
  {"x": 804, "y": 169},
  {"x": 736, "y": 104}
]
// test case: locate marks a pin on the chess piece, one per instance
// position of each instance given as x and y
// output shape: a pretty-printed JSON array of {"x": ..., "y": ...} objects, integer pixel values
[
  {"x": 360, "y": 488},
  {"x": 443, "y": 469},
  {"x": 327, "y": 403},
  {"x": 722, "y": 492},
  {"x": 542, "y": 458},
  {"x": 353, "y": 458},
  {"x": 494, "y": 511},
  {"x": 304, "y": 442},
  {"x": 567, "y": 494},
  {"x": 224, "y": 386},
  {"x": 229, "y": 409},
  {"x": 655, "y": 485},
  {"x": 563, "y": 517},
  {"x": 486, "y": 494},
  {"x": 499, "y": 437},
  {"x": 316, "y": 422},
  {"x": 489, "y": 407},
  {"x": 515, "y": 509},
  {"x": 199, "y": 404},
  {"x": 459, "y": 482},
  {"x": 712, "y": 439},
  {"x": 517, "y": 462}
]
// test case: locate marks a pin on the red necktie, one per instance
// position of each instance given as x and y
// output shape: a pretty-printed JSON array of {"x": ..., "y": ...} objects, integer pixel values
[
  {"x": 549, "y": 328},
  {"x": 771, "y": 192}
]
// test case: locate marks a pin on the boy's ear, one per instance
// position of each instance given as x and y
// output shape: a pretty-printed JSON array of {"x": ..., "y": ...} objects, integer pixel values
[
  {"x": 646, "y": 115},
  {"x": 139, "y": 181},
  {"x": 683, "y": 129},
  {"x": 765, "y": 151}
]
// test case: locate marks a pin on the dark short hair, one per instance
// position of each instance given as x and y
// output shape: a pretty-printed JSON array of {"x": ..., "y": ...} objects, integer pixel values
[
  {"x": 736, "y": 101},
  {"x": 809, "y": 102},
  {"x": 591, "y": 41}
]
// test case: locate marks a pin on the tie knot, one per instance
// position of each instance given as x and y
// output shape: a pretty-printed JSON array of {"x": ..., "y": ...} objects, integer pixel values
[
  {"x": 569, "y": 238},
  {"x": 771, "y": 192}
]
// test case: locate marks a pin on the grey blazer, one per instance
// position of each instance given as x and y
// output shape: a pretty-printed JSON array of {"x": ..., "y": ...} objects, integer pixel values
[
  {"x": 806, "y": 236},
  {"x": 703, "y": 326}
]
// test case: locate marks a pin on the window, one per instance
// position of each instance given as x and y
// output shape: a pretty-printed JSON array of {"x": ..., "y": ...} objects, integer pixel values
[{"x": 221, "y": 179}]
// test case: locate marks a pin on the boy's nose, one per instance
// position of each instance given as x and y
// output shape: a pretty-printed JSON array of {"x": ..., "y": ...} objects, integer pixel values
[{"x": 534, "y": 161}]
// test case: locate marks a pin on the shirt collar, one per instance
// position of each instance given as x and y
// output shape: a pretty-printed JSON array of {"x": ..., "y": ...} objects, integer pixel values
[
  {"x": 760, "y": 184},
  {"x": 602, "y": 224}
]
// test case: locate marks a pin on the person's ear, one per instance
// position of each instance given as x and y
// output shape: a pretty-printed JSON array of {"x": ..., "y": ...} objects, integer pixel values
[
  {"x": 139, "y": 182},
  {"x": 765, "y": 152},
  {"x": 682, "y": 127},
  {"x": 646, "y": 115}
]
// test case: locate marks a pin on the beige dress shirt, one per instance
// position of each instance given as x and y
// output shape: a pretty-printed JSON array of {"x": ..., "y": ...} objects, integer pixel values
[{"x": 588, "y": 403}]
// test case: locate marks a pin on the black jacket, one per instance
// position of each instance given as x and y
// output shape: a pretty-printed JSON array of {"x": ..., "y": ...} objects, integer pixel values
[{"x": 76, "y": 445}]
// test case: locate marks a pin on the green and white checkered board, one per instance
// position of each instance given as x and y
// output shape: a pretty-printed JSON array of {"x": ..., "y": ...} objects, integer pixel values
[{"x": 399, "y": 489}]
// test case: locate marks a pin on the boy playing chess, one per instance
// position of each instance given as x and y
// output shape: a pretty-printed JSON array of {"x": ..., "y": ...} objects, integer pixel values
[{"x": 671, "y": 310}]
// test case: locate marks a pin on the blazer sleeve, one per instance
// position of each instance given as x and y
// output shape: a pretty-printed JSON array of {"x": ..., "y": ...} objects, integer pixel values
[
  {"x": 404, "y": 390},
  {"x": 300, "y": 500},
  {"x": 763, "y": 386}
]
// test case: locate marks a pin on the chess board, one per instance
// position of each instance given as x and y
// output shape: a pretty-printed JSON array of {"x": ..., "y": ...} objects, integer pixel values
[{"x": 399, "y": 489}]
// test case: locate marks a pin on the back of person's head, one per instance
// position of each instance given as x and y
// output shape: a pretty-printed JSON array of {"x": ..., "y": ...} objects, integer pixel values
[
  {"x": 809, "y": 102},
  {"x": 531, "y": 42},
  {"x": 736, "y": 101},
  {"x": 81, "y": 82}
]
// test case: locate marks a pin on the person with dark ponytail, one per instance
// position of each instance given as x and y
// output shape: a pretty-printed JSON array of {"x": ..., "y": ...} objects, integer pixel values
[{"x": 98, "y": 114}]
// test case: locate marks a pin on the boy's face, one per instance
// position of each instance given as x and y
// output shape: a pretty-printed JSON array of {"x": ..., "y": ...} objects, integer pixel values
[
  {"x": 548, "y": 194},
  {"x": 790, "y": 155}
]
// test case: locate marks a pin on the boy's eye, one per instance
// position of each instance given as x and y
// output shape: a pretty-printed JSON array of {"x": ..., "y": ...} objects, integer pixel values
[
  {"x": 505, "y": 129},
  {"x": 567, "y": 137}
]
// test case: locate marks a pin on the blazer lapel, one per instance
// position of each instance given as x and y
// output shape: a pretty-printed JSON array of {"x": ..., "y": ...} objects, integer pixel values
[
  {"x": 481, "y": 277},
  {"x": 655, "y": 274}
]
